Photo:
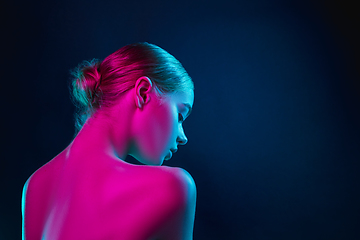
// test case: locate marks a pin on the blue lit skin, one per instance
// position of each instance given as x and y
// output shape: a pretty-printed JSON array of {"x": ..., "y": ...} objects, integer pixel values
[
  {"x": 160, "y": 134},
  {"x": 23, "y": 208}
]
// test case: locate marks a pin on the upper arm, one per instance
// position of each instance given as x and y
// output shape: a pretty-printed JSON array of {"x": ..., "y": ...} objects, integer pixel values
[
  {"x": 159, "y": 204},
  {"x": 189, "y": 208},
  {"x": 182, "y": 214}
]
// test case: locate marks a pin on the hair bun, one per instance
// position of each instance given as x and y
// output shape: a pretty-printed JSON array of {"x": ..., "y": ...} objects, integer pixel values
[
  {"x": 86, "y": 92},
  {"x": 86, "y": 83}
]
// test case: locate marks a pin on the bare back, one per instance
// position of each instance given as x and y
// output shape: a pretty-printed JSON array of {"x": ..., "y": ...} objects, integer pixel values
[{"x": 112, "y": 200}]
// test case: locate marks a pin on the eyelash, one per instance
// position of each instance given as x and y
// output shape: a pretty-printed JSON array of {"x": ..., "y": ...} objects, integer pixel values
[{"x": 181, "y": 118}]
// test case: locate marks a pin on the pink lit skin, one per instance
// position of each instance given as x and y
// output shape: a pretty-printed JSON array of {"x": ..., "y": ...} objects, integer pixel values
[{"x": 89, "y": 192}]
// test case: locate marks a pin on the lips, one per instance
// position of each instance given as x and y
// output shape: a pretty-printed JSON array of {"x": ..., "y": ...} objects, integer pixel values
[
  {"x": 168, "y": 156},
  {"x": 171, "y": 152}
]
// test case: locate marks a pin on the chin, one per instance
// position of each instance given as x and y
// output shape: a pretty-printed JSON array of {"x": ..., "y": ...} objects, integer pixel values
[
  {"x": 153, "y": 163},
  {"x": 150, "y": 161}
]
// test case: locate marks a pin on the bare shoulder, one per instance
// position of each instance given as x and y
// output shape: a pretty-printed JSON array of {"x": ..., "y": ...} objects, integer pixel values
[
  {"x": 41, "y": 181},
  {"x": 178, "y": 174},
  {"x": 179, "y": 204},
  {"x": 42, "y": 177},
  {"x": 35, "y": 199},
  {"x": 174, "y": 179},
  {"x": 168, "y": 180},
  {"x": 162, "y": 202}
]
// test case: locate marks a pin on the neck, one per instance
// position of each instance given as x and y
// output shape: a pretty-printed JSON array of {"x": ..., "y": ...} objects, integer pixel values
[{"x": 101, "y": 138}]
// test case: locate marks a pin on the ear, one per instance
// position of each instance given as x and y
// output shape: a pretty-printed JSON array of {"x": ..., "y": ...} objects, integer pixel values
[{"x": 143, "y": 87}]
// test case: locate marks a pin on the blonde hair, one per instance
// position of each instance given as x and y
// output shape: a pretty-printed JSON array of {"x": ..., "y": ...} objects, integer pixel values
[{"x": 98, "y": 84}]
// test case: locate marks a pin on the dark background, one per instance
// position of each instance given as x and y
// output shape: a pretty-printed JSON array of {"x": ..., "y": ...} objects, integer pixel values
[{"x": 274, "y": 144}]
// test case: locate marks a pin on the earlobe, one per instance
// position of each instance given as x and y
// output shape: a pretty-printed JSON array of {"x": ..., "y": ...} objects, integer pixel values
[
  {"x": 143, "y": 87},
  {"x": 138, "y": 103}
]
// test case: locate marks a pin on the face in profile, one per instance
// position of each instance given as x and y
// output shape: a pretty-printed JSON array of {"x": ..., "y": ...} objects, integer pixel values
[{"x": 161, "y": 127}]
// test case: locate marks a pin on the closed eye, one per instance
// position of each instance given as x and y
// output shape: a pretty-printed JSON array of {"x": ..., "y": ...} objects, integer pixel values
[{"x": 181, "y": 118}]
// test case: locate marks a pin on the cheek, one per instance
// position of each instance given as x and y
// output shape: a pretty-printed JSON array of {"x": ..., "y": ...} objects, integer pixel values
[{"x": 159, "y": 131}]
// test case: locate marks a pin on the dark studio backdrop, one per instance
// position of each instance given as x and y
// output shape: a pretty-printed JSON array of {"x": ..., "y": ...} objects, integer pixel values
[{"x": 274, "y": 144}]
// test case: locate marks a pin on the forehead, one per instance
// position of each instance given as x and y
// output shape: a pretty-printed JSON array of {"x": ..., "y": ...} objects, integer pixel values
[{"x": 184, "y": 97}]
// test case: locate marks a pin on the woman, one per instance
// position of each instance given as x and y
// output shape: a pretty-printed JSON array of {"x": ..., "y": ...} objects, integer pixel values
[{"x": 132, "y": 103}]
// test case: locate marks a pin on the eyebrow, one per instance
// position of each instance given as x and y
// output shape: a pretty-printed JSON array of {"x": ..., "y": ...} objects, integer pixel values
[{"x": 189, "y": 108}]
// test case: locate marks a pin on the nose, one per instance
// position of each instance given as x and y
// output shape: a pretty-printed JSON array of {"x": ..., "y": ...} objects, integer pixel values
[{"x": 181, "y": 139}]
